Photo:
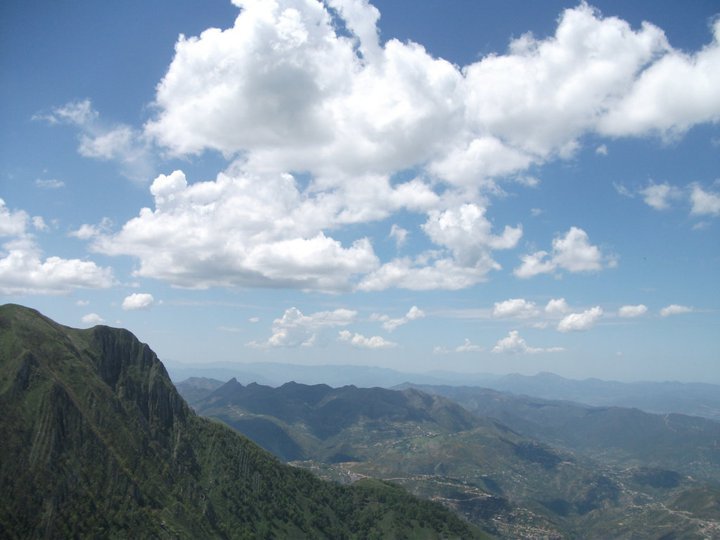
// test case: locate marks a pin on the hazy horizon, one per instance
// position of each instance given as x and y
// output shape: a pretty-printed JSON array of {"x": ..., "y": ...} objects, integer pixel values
[{"x": 476, "y": 187}]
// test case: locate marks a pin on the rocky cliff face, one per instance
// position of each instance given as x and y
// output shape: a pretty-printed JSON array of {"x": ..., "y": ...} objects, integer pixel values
[{"x": 95, "y": 441}]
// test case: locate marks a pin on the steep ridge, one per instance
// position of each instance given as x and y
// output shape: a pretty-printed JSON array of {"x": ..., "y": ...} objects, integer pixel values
[
  {"x": 97, "y": 442},
  {"x": 326, "y": 411}
]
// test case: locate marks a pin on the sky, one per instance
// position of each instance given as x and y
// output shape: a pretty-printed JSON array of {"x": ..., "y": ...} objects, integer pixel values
[{"x": 477, "y": 186}]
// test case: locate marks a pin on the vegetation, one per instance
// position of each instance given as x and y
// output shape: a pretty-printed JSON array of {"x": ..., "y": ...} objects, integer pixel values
[
  {"x": 491, "y": 473},
  {"x": 96, "y": 442}
]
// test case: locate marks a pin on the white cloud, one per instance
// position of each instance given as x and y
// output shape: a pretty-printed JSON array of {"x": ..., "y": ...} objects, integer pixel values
[
  {"x": 75, "y": 112},
  {"x": 704, "y": 202},
  {"x": 294, "y": 329},
  {"x": 662, "y": 196},
  {"x": 284, "y": 87},
  {"x": 358, "y": 340},
  {"x": 659, "y": 196},
  {"x": 671, "y": 95},
  {"x": 443, "y": 273},
  {"x": 514, "y": 344},
  {"x": 98, "y": 140},
  {"x": 580, "y": 321},
  {"x": 632, "y": 311},
  {"x": 12, "y": 223},
  {"x": 24, "y": 271},
  {"x": 137, "y": 301},
  {"x": 557, "y": 306},
  {"x": 240, "y": 231},
  {"x": 389, "y": 324},
  {"x": 92, "y": 319},
  {"x": 87, "y": 231},
  {"x": 287, "y": 89},
  {"x": 398, "y": 234},
  {"x": 623, "y": 190},
  {"x": 50, "y": 183},
  {"x": 39, "y": 223},
  {"x": 602, "y": 150},
  {"x": 675, "y": 309},
  {"x": 468, "y": 347},
  {"x": 467, "y": 233},
  {"x": 515, "y": 308},
  {"x": 465, "y": 236},
  {"x": 572, "y": 252}
]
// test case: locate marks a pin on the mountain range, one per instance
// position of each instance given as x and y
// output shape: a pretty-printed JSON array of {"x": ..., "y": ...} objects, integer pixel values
[
  {"x": 696, "y": 399},
  {"x": 503, "y": 476},
  {"x": 96, "y": 442},
  {"x": 620, "y": 436}
]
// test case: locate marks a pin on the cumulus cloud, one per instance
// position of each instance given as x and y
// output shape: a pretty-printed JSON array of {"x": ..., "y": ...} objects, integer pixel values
[
  {"x": 416, "y": 274},
  {"x": 675, "y": 309},
  {"x": 467, "y": 241},
  {"x": 632, "y": 311},
  {"x": 283, "y": 85},
  {"x": 704, "y": 203},
  {"x": 239, "y": 231},
  {"x": 302, "y": 85},
  {"x": 515, "y": 308},
  {"x": 659, "y": 196},
  {"x": 580, "y": 321},
  {"x": 92, "y": 319},
  {"x": 294, "y": 329},
  {"x": 671, "y": 95},
  {"x": 358, "y": 340},
  {"x": 514, "y": 344},
  {"x": 23, "y": 270},
  {"x": 572, "y": 252},
  {"x": 138, "y": 301},
  {"x": 467, "y": 233},
  {"x": 557, "y": 306},
  {"x": 390, "y": 324}
]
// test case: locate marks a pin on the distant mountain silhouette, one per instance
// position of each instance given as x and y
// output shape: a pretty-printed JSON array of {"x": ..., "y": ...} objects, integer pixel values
[{"x": 695, "y": 399}]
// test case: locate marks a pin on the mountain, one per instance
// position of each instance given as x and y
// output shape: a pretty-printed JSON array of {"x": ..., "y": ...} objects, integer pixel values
[
  {"x": 96, "y": 442},
  {"x": 277, "y": 374},
  {"x": 615, "y": 435},
  {"x": 694, "y": 399},
  {"x": 491, "y": 473}
]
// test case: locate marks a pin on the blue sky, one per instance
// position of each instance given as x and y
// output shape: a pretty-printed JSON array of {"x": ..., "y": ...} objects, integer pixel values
[{"x": 480, "y": 186}]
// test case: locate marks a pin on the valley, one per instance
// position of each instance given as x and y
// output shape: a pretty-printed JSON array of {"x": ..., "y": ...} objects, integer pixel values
[{"x": 502, "y": 476}]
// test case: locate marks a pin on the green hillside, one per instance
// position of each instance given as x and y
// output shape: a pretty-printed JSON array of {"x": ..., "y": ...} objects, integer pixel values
[{"x": 96, "y": 442}]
